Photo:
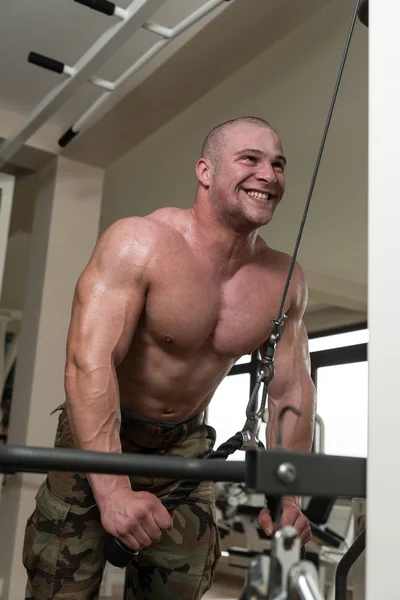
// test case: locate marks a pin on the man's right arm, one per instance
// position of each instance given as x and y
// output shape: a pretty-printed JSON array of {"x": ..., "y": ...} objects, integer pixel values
[{"x": 109, "y": 299}]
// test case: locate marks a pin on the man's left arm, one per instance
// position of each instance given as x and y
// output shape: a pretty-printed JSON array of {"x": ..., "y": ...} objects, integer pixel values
[{"x": 292, "y": 386}]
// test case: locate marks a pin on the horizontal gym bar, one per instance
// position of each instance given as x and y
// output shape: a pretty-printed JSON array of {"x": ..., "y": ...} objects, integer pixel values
[
  {"x": 105, "y": 7},
  {"x": 139, "y": 12},
  {"x": 158, "y": 29},
  {"x": 280, "y": 472},
  {"x": 30, "y": 459},
  {"x": 316, "y": 475},
  {"x": 40, "y": 60},
  {"x": 103, "y": 103}
]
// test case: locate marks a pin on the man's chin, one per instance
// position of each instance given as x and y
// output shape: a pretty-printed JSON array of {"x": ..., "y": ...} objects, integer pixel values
[{"x": 260, "y": 220}]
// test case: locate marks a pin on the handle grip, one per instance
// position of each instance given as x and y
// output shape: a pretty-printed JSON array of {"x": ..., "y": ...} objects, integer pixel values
[
  {"x": 67, "y": 137},
  {"x": 117, "y": 553},
  {"x": 120, "y": 555},
  {"x": 363, "y": 12},
  {"x": 275, "y": 508},
  {"x": 102, "y": 6},
  {"x": 45, "y": 62}
]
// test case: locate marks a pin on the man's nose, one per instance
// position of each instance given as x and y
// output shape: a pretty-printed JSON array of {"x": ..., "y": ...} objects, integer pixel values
[{"x": 267, "y": 173}]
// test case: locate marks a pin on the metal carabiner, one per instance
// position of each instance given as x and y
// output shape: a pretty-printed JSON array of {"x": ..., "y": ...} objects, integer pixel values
[{"x": 254, "y": 416}]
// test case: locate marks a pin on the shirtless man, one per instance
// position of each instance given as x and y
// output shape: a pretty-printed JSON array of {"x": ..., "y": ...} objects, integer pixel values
[{"x": 163, "y": 310}]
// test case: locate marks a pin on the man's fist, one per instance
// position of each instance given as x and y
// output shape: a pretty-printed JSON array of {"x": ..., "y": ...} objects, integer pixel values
[
  {"x": 136, "y": 518},
  {"x": 291, "y": 515}
]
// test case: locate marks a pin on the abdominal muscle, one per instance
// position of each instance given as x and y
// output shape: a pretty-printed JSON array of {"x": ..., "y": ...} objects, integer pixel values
[{"x": 164, "y": 387}]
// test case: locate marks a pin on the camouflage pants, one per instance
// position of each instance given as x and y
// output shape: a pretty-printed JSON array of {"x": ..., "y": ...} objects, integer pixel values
[{"x": 63, "y": 545}]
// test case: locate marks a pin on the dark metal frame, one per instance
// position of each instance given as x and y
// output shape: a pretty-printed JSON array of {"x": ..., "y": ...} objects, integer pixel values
[
  {"x": 312, "y": 474},
  {"x": 323, "y": 358},
  {"x": 337, "y": 356}
]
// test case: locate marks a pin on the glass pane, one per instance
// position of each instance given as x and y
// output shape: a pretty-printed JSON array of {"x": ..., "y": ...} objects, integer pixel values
[
  {"x": 227, "y": 411},
  {"x": 339, "y": 341},
  {"x": 246, "y": 358},
  {"x": 342, "y": 402}
]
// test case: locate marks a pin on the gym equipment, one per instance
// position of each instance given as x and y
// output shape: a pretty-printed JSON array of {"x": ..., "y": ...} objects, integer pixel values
[
  {"x": 129, "y": 21},
  {"x": 363, "y": 12},
  {"x": 261, "y": 471},
  {"x": 287, "y": 473},
  {"x": 282, "y": 575}
]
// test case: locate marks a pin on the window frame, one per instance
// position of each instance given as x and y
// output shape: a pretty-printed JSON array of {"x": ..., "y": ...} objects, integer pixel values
[
  {"x": 319, "y": 358},
  {"x": 343, "y": 355},
  {"x": 337, "y": 356}
]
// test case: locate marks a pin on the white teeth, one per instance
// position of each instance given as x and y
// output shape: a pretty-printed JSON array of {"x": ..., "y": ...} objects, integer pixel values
[{"x": 259, "y": 195}]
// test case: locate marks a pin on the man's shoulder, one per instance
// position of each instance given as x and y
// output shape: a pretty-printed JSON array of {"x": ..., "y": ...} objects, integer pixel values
[
  {"x": 141, "y": 238},
  {"x": 153, "y": 227},
  {"x": 271, "y": 258},
  {"x": 277, "y": 259},
  {"x": 278, "y": 263}
]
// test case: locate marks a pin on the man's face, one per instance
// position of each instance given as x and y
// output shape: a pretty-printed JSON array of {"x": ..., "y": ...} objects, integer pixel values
[{"x": 248, "y": 181}]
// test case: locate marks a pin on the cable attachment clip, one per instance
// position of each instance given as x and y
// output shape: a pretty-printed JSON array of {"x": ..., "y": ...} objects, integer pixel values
[{"x": 265, "y": 374}]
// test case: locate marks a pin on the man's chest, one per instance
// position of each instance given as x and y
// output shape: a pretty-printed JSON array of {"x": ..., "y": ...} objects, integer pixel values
[{"x": 192, "y": 308}]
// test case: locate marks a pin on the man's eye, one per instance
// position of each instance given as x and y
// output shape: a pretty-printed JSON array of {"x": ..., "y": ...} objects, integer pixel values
[
  {"x": 251, "y": 158},
  {"x": 278, "y": 166}
]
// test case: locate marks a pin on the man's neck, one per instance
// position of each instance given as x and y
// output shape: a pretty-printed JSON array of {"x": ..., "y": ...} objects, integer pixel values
[{"x": 220, "y": 238}]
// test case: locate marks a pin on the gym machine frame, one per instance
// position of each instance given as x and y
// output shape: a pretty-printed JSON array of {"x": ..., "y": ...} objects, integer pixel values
[{"x": 274, "y": 472}]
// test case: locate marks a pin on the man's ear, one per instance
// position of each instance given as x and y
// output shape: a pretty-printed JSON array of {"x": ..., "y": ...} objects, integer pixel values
[{"x": 203, "y": 172}]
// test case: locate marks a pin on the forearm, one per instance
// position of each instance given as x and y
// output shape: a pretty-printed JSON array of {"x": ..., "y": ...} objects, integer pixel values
[
  {"x": 94, "y": 416},
  {"x": 297, "y": 431}
]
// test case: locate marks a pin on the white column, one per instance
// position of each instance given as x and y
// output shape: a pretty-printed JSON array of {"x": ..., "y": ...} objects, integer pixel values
[
  {"x": 383, "y": 490},
  {"x": 7, "y": 183},
  {"x": 65, "y": 231}
]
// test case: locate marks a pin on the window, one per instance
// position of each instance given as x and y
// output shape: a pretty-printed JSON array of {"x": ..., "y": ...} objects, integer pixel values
[
  {"x": 227, "y": 411},
  {"x": 339, "y": 340},
  {"x": 340, "y": 372}
]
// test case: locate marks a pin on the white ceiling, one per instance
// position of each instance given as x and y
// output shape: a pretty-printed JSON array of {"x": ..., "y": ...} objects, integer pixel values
[
  {"x": 65, "y": 30},
  {"x": 210, "y": 51}
]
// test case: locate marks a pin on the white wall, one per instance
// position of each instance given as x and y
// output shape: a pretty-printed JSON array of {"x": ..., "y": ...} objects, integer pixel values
[
  {"x": 291, "y": 86},
  {"x": 383, "y": 483},
  {"x": 19, "y": 242}
]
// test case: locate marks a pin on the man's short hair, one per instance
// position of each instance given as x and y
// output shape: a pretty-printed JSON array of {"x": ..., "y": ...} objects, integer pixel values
[{"x": 212, "y": 144}]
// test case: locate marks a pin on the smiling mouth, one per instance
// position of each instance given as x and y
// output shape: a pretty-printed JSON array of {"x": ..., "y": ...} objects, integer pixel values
[{"x": 259, "y": 195}]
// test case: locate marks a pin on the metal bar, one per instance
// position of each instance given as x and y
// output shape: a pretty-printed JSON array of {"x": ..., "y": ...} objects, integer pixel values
[
  {"x": 105, "y": 7},
  {"x": 102, "y": 83},
  {"x": 45, "y": 62},
  {"x": 61, "y": 68},
  {"x": 28, "y": 459},
  {"x": 102, "y": 104},
  {"x": 321, "y": 434},
  {"x": 343, "y": 568},
  {"x": 310, "y": 474},
  {"x": 317, "y": 475},
  {"x": 339, "y": 356},
  {"x": 139, "y": 12},
  {"x": 158, "y": 29},
  {"x": 121, "y": 13},
  {"x": 102, "y": 6},
  {"x": 199, "y": 14},
  {"x": 240, "y": 369},
  {"x": 307, "y": 588},
  {"x": 97, "y": 81}
]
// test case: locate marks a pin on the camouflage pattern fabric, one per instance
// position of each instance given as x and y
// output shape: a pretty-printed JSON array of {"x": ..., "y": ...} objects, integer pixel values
[{"x": 63, "y": 545}]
